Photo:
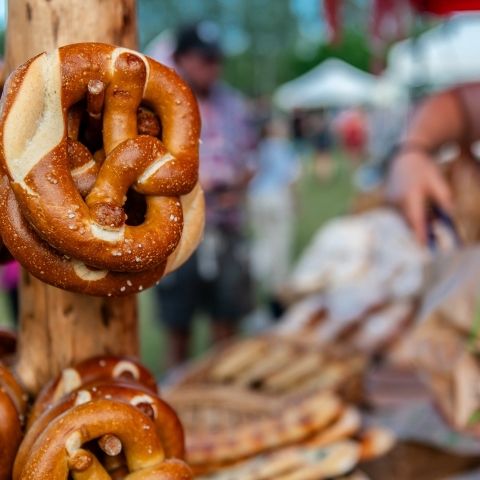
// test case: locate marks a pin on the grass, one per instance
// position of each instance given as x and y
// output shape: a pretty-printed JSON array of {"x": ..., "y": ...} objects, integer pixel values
[{"x": 317, "y": 203}]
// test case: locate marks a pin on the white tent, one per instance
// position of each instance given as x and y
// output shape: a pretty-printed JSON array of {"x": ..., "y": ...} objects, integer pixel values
[
  {"x": 443, "y": 56},
  {"x": 332, "y": 83}
]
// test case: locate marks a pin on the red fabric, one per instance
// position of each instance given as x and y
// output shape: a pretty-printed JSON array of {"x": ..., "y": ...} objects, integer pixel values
[
  {"x": 333, "y": 10},
  {"x": 445, "y": 7},
  {"x": 388, "y": 20}
]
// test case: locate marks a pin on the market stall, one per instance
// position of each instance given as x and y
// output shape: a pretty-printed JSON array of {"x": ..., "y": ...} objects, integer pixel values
[{"x": 100, "y": 199}]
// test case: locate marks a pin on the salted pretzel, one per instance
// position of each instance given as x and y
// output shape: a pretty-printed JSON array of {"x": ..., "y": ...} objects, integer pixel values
[
  {"x": 62, "y": 207},
  {"x": 167, "y": 424},
  {"x": 102, "y": 368},
  {"x": 62, "y": 448},
  {"x": 12, "y": 410}
]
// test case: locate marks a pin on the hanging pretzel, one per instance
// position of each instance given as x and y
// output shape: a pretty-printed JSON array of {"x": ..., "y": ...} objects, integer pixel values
[
  {"x": 61, "y": 448},
  {"x": 103, "y": 368},
  {"x": 72, "y": 231}
]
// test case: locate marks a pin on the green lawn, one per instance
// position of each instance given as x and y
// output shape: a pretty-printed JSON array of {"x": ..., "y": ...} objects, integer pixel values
[{"x": 317, "y": 202}]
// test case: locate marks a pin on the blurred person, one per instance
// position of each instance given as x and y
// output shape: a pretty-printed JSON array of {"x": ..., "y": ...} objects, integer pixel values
[
  {"x": 271, "y": 202},
  {"x": 298, "y": 127},
  {"x": 351, "y": 129},
  {"x": 451, "y": 117},
  {"x": 322, "y": 143},
  {"x": 216, "y": 278}
]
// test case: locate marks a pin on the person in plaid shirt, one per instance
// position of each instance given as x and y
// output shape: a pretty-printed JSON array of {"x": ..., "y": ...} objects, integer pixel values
[{"x": 216, "y": 279}]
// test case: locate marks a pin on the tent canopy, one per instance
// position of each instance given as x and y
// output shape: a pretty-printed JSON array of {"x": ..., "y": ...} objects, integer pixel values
[
  {"x": 332, "y": 83},
  {"x": 443, "y": 56}
]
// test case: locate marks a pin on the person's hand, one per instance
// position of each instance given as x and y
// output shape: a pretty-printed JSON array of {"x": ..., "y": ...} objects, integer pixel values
[{"x": 414, "y": 182}]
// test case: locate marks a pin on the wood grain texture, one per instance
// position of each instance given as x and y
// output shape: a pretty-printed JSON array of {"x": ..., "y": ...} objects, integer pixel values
[
  {"x": 35, "y": 26},
  {"x": 58, "y": 328}
]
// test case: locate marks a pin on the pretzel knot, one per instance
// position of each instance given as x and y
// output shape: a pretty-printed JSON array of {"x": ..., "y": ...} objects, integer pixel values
[
  {"x": 62, "y": 448},
  {"x": 86, "y": 131}
]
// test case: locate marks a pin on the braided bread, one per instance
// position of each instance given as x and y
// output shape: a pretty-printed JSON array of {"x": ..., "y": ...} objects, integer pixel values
[
  {"x": 62, "y": 208},
  {"x": 296, "y": 423},
  {"x": 295, "y": 463}
]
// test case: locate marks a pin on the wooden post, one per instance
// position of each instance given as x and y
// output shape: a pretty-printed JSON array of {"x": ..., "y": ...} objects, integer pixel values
[{"x": 58, "y": 328}]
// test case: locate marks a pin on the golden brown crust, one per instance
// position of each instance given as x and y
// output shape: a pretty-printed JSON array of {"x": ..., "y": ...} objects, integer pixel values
[
  {"x": 291, "y": 426},
  {"x": 12, "y": 409},
  {"x": 49, "y": 171},
  {"x": 102, "y": 419},
  {"x": 10, "y": 385},
  {"x": 66, "y": 435},
  {"x": 92, "y": 370},
  {"x": 10, "y": 434},
  {"x": 168, "y": 426}
]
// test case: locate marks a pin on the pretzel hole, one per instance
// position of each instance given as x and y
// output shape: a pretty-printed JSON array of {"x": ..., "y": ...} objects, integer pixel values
[
  {"x": 135, "y": 208},
  {"x": 81, "y": 127},
  {"x": 148, "y": 123}
]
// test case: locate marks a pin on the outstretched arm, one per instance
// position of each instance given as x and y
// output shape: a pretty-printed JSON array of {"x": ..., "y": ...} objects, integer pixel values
[{"x": 415, "y": 179}]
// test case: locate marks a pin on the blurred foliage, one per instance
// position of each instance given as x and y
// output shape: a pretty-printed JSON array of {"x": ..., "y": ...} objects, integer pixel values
[
  {"x": 265, "y": 38},
  {"x": 353, "y": 49},
  {"x": 2, "y": 42},
  {"x": 277, "y": 46}
]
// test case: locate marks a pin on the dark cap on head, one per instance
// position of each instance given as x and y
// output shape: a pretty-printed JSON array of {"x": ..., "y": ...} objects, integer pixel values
[{"x": 202, "y": 38}]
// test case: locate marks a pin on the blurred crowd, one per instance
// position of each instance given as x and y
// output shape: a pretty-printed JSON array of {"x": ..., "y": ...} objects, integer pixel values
[
  {"x": 251, "y": 160},
  {"x": 252, "y": 157}
]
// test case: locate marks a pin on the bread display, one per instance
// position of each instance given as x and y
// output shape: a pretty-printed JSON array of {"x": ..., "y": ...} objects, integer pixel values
[
  {"x": 226, "y": 426},
  {"x": 277, "y": 365}
]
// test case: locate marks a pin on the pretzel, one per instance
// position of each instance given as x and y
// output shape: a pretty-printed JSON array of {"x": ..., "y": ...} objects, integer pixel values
[
  {"x": 90, "y": 371},
  {"x": 12, "y": 409},
  {"x": 86, "y": 244},
  {"x": 168, "y": 426},
  {"x": 56, "y": 450},
  {"x": 91, "y": 469},
  {"x": 10, "y": 434},
  {"x": 10, "y": 386}
]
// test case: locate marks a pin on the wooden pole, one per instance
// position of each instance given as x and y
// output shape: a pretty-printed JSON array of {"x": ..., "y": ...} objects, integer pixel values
[{"x": 58, "y": 328}]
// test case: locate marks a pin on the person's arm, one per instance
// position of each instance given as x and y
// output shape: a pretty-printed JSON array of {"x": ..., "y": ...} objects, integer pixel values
[{"x": 415, "y": 179}]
